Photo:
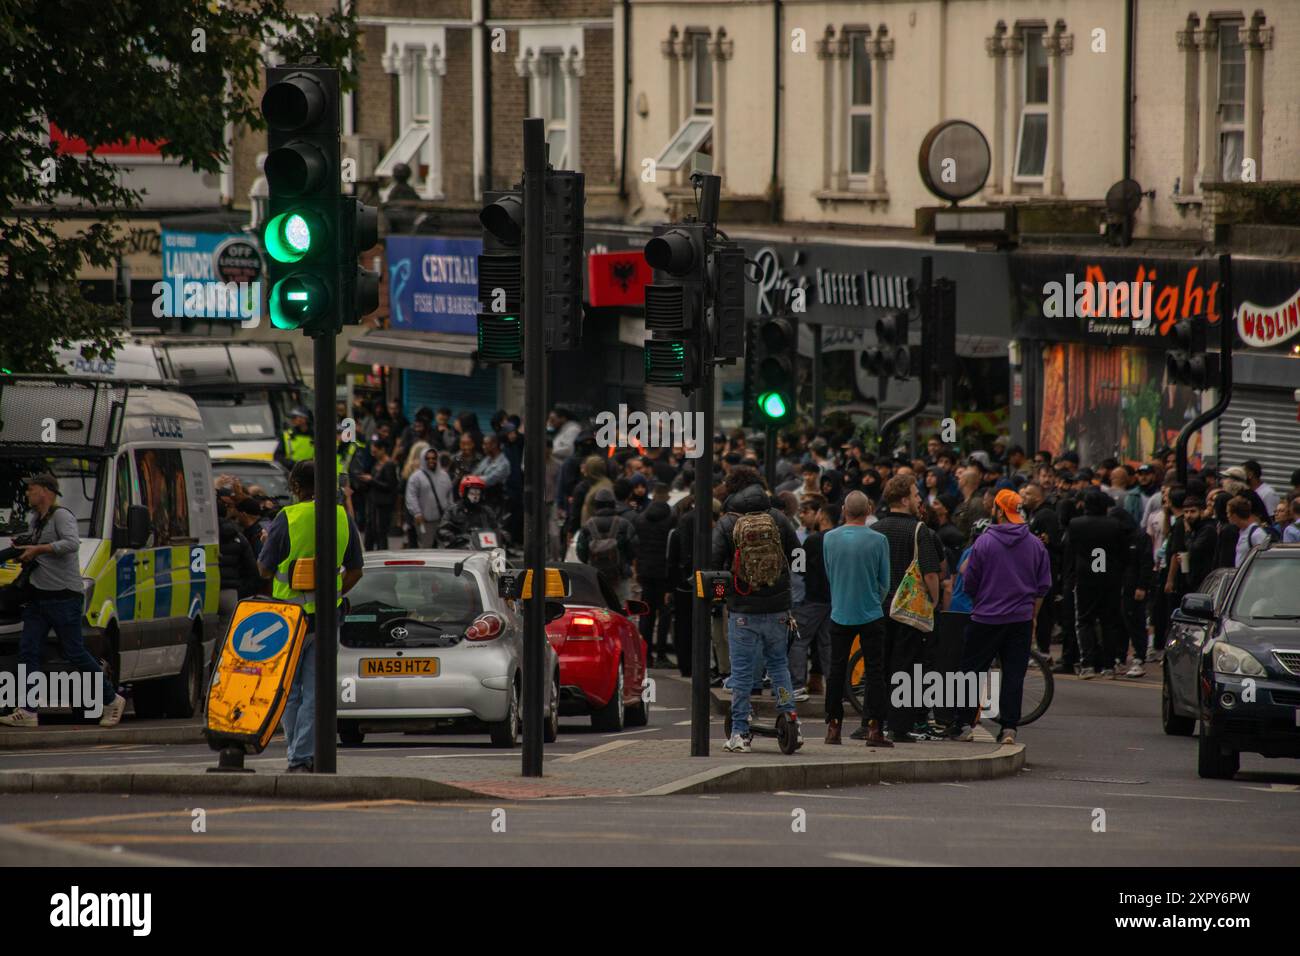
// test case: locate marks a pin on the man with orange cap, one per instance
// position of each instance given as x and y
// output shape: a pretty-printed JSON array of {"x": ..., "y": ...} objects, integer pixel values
[{"x": 1007, "y": 575}]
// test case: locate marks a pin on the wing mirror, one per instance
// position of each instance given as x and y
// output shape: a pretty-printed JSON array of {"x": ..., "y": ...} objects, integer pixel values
[
  {"x": 637, "y": 608},
  {"x": 136, "y": 533},
  {"x": 1198, "y": 606}
]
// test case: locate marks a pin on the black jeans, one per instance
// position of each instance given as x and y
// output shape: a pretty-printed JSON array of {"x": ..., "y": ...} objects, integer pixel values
[
  {"x": 943, "y": 651},
  {"x": 381, "y": 519},
  {"x": 683, "y": 608},
  {"x": 1134, "y": 614},
  {"x": 1099, "y": 624},
  {"x": 652, "y": 592},
  {"x": 1158, "y": 601},
  {"x": 1069, "y": 633},
  {"x": 904, "y": 649},
  {"x": 1010, "y": 644},
  {"x": 872, "y": 637}
]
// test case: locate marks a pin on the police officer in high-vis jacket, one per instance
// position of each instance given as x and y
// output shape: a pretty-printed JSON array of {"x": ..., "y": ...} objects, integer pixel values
[
  {"x": 292, "y": 537},
  {"x": 297, "y": 443}
]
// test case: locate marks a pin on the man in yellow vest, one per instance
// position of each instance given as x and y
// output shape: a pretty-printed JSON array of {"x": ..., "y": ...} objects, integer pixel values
[
  {"x": 297, "y": 443},
  {"x": 291, "y": 538}
]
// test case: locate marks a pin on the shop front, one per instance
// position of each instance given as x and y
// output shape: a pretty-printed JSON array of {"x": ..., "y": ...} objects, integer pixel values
[
  {"x": 1093, "y": 333},
  {"x": 431, "y": 336},
  {"x": 844, "y": 287}
]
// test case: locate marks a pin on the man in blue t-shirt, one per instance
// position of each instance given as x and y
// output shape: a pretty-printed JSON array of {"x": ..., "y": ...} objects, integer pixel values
[{"x": 857, "y": 566}]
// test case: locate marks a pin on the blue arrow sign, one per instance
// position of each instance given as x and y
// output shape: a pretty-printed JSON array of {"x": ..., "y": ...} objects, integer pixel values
[{"x": 261, "y": 636}]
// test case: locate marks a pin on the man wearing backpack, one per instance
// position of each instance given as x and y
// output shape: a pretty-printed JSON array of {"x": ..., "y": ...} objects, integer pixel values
[
  {"x": 608, "y": 543},
  {"x": 754, "y": 542}
]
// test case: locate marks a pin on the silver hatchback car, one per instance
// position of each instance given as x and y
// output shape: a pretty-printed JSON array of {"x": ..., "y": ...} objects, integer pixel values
[{"x": 427, "y": 645}]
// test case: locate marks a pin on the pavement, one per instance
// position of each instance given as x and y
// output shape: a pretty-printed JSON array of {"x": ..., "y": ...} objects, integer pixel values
[{"x": 162, "y": 757}]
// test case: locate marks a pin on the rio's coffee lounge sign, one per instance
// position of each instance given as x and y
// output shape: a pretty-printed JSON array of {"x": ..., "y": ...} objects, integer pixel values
[{"x": 1073, "y": 298}]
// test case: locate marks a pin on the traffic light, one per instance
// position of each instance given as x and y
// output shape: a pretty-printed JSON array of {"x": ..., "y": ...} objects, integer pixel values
[
  {"x": 937, "y": 357},
  {"x": 891, "y": 333},
  {"x": 771, "y": 370},
  {"x": 302, "y": 236},
  {"x": 674, "y": 306},
  {"x": 562, "y": 259},
  {"x": 726, "y": 269},
  {"x": 501, "y": 278},
  {"x": 360, "y": 285},
  {"x": 1189, "y": 363}
]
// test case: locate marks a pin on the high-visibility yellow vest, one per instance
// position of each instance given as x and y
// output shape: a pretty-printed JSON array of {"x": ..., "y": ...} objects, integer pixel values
[
  {"x": 298, "y": 447},
  {"x": 345, "y": 458},
  {"x": 302, "y": 544}
]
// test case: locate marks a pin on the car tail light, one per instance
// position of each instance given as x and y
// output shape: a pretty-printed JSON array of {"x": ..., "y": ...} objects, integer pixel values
[
  {"x": 583, "y": 627},
  {"x": 484, "y": 628}
]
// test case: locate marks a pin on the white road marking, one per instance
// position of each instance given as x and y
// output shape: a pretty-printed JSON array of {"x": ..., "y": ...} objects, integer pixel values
[
  {"x": 1165, "y": 796},
  {"x": 876, "y": 860},
  {"x": 592, "y": 751},
  {"x": 818, "y": 796},
  {"x": 624, "y": 733},
  {"x": 1276, "y": 788}
]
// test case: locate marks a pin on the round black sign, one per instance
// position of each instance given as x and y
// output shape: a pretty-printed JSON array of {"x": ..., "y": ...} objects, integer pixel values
[
  {"x": 954, "y": 160},
  {"x": 237, "y": 260}
]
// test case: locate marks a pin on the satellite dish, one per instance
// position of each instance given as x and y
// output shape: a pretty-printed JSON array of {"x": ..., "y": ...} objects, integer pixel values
[
  {"x": 1122, "y": 201},
  {"x": 954, "y": 160},
  {"x": 1123, "y": 198}
]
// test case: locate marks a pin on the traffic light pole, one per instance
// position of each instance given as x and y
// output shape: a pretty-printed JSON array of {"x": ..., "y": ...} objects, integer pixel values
[
  {"x": 923, "y": 289},
  {"x": 1227, "y": 316},
  {"x": 769, "y": 456},
  {"x": 533, "y": 696},
  {"x": 702, "y": 610},
  {"x": 327, "y": 617}
]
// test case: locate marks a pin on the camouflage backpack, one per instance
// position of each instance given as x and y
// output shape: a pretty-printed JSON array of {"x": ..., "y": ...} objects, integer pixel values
[{"x": 759, "y": 558}]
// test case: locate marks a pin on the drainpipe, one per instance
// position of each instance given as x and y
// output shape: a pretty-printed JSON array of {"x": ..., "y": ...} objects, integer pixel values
[
  {"x": 774, "y": 185},
  {"x": 1129, "y": 13},
  {"x": 487, "y": 96},
  {"x": 627, "y": 96}
]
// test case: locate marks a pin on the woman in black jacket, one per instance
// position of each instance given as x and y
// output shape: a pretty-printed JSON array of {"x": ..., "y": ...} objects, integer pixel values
[{"x": 652, "y": 529}]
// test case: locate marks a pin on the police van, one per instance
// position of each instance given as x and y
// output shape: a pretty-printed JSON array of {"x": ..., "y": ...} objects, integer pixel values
[
  {"x": 132, "y": 466},
  {"x": 243, "y": 390}
]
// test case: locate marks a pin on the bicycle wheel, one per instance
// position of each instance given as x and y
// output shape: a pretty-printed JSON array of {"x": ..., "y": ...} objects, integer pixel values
[
  {"x": 856, "y": 682},
  {"x": 1039, "y": 687}
]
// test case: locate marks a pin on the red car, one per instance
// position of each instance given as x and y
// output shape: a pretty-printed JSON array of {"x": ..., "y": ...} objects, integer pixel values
[{"x": 602, "y": 655}]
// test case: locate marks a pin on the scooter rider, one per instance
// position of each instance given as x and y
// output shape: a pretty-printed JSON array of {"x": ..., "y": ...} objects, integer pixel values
[{"x": 469, "y": 514}]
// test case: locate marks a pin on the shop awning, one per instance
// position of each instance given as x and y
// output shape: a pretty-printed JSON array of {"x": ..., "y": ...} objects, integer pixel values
[{"x": 419, "y": 351}]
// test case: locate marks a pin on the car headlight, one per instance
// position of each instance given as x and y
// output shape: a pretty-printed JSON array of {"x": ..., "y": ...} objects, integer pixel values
[{"x": 1233, "y": 660}]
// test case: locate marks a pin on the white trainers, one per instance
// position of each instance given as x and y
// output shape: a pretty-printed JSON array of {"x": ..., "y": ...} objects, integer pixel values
[
  {"x": 967, "y": 733},
  {"x": 1154, "y": 656},
  {"x": 800, "y": 694},
  {"x": 1135, "y": 671},
  {"x": 738, "y": 744},
  {"x": 1108, "y": 673},
  {"x": 18, "y": 717},
  {"x": 113, "y": 712},
  {"x": 1087, "y": 673}
]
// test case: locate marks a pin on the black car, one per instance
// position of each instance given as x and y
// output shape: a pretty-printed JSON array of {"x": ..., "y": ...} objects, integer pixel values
[
  {"x": 1180, "y": 701},
  {"x": 1249, "y": 673}
]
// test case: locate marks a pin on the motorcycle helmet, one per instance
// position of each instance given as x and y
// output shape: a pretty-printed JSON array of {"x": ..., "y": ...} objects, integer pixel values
[{"x": 471, "y": 482}]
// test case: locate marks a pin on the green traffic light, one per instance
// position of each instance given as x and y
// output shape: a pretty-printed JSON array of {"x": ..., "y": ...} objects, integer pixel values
[
  {"x": 288, "y": 237},
  {"x": 297, "y": 300},
  {"x": 772, "y": 405}
]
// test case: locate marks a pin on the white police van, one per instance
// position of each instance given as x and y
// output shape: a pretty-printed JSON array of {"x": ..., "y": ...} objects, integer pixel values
[{"x": 133, "y": 467}]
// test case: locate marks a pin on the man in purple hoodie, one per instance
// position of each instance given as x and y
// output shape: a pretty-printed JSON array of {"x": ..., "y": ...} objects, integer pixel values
[{"x": 1007, "y": 575}]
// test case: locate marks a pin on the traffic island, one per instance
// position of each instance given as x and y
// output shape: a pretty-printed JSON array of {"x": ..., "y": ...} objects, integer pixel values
[
  {"x": 622, "y": 767},
  {"x": 54, "y": 736}
]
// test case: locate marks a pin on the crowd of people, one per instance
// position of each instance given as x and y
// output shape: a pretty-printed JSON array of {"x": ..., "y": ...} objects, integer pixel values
[{"x": 1121, "y": 544}]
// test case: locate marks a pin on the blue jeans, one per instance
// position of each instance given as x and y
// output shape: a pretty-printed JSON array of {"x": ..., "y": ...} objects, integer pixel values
[
  {"x": 64, "y": 616},
  {"x": 754, "y": 640},
  {"x": 299, "y": 720}
]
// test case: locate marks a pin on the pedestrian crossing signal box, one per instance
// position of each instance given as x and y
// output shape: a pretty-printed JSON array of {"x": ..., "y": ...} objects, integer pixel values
[
  {"x": 251, "y": 681},
  {"x": 713, "y": 585}
]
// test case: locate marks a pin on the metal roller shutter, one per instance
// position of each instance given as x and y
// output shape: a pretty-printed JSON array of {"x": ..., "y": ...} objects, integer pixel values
[
  {"x": 1277, "y": 433},
  {"x": 475, "y": 393}
]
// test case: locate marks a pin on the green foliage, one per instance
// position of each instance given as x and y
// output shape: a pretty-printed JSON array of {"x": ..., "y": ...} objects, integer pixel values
[{"x": 109, "y": 71}]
